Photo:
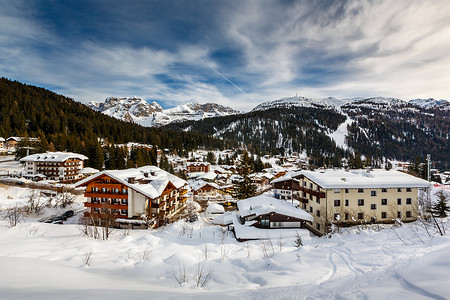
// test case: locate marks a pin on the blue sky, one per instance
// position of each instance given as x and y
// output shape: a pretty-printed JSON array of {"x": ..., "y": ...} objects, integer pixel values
[{"x": 236, "y": 53}]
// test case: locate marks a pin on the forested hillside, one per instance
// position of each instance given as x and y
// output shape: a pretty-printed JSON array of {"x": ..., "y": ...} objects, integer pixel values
[
  {"x": 278, "y": 130},
  {"x": 64, "y": 124}
]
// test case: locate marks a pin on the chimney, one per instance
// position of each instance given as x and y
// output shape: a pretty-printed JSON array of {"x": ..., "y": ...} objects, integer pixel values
[{"x": 131, "y": 180}]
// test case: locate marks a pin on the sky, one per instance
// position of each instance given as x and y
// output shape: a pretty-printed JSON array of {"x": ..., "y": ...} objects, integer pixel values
[{"x": 236, "y": 53}]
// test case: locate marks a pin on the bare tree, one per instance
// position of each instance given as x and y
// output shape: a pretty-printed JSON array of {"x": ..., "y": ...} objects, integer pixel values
[
  {"x": 205, "y": 252},
  {"x": 146, "y": 253},
  {"x": 182, "y": 276},
  {"x": 64, "y": 198},
  {"x": 87, "y": 257},
  {"x": 14, "y": 216},
  {"x": 202, "y": 276},
  {"x": 35, "y": 203}
]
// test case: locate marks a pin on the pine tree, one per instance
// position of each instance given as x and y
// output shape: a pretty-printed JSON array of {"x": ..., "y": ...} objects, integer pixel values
[
  {"x": 441, "y": 208},
  {"x": 245, "y": 188}
]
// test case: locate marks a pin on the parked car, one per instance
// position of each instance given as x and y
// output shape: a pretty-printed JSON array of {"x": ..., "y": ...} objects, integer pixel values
[
  {"x": 58, "y": 220},
  {"x": 68, "y": 214}
]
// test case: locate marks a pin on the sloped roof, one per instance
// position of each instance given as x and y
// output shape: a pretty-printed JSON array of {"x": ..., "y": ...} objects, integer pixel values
[
  {"x": 261, "y": 205},
  {"x": 156, "y": 180},
  {"x": 378, "y": 178},
  {"x": 53, "y": 157},
  {"x": 198, "y": 184}
]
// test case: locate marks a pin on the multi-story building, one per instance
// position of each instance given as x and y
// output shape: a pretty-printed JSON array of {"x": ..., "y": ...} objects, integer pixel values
[
  {"x": 13, "y": 141},
  {"x": 196, "y": 166},
  {"x": 61, "y": 166},
  {"x": 351, "y": 197},
  {"x": 146, "y": 196}
]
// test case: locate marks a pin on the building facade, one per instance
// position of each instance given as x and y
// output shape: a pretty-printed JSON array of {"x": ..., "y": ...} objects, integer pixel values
[
  {"x": 143, "y": 197},
  {"x": 60, "y": 166},
  {"x": 352, "y": 197},
  {"x": 193, "y": 167}
]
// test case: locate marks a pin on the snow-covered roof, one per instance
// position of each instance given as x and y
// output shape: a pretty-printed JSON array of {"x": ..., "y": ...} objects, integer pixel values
[
  {"x": 333, "y": 179},
  {"x": 197, "y": 163},
  {"x": 155, "y": 181},
  {"x": 18, "y": 139},
  {"x": 89, "y": 171},
  {"x": 198, "y": 184},
  {"x": 261, "y": 205},
  {"x": 215, "y": 209},
  {"x": 2, "y": 139},
  {"x": 53, "y": 157},
  {"x": 208, "y": 176},
  {"x": 246, "y": 232},
  {"x": 287, "y": 176}
]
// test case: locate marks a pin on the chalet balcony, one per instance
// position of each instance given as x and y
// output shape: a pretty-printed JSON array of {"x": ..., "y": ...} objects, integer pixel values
[
  {"x": 108, "y": 185},
  {"x": 160, "y": 205},
  {"x": 103, "y": 216},
  {"x": 316, "y": 193},
  {"x": 106, "y": 195},
  {"x": 106, "y": 205}
]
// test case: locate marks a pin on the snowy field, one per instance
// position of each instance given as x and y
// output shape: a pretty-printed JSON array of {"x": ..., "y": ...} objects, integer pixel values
[{"x": 47, "y": 261}]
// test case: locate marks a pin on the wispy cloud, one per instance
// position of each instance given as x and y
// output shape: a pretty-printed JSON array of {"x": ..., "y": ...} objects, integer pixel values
[{"x": 229, "y": 52}]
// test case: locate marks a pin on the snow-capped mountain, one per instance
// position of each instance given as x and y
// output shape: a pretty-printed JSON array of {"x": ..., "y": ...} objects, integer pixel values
[
  {"x": 431, "y": 103},
  {"x": 153, "y": 115},
  {"x": 329, "y": 102}
]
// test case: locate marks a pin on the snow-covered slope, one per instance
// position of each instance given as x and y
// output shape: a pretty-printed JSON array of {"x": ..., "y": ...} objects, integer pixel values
[
  {"x": 329, "y": 102},
  {"x": 431, "y": 103},
  {"x": 153, "y": 115}
]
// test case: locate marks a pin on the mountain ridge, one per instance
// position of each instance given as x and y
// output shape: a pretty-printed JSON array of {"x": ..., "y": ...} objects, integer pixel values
[{"x": 137, "y": 110}]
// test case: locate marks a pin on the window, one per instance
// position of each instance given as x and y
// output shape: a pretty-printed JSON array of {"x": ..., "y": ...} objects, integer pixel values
[
  {"x": 383, "y": 215},
  {"x": 408, "y": 189},
  {"x": 399, "y": 214},
  {"x": 346, "y": 202},
  {"x": 383, "y": 201},
  {"x": 408, "y": 214},
  {"x": 360, "y": 190},
  {"x": 337, "y": 191},
  {"x": 346, "y": 216},
  {"x": 318, "y": 213},
  {"x": 124, "y": 212},
  {"x": 373, "y": 206},
  {"x": 318, "y": 200},
  {"x": 103, "y": 200},
  {"x": 346, "y": 191},
  {"x": 310, "y": 185},
  {"x": 318, "y": 226},
  {"x": 337, "y": 217},
  {"x": 310, "y": 209},
  {"x": 373, "y": 193},
  {"x": 124, "y": 191},
  {"x": 337, "y": 202},
  {"x": 399, "y": 190},
  {"x": 360, "y": 216},
  {"x": 96, "y": 209},
  {"x": 360, "y": 202},
  {"x": 399, "y": 201},
  {"x": 304, "y": 205},
  {"x": 265, "y": 223},
  {"x": 384, "y": 190},
  {"x": 408, "y": 200}
]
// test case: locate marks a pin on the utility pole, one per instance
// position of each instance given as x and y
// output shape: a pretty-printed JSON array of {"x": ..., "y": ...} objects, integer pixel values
[{"x": 429, "y": 179}]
